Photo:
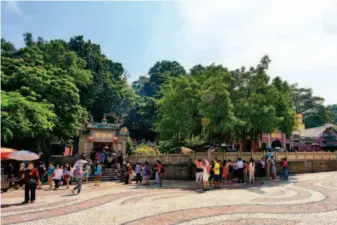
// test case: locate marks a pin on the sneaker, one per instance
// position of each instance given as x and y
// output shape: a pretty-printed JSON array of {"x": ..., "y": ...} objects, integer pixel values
[{"x": 25, "y": 202}]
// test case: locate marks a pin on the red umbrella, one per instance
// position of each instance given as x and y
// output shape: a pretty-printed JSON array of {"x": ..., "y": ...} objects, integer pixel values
[{"x": 5, "y": 152}]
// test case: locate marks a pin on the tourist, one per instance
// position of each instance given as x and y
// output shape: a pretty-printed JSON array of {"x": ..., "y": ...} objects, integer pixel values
[
  {"x": 238, "y": 170},
  {"x": 251, "y": 170},
  {"x": 58, "y": 173},
  {"x": 225, "y": 169},
  {"x": 41, "y": 168},
  {"x": 109, "y": 159},
  {"x": 78, "y": 174},
  {"x": 216, "y": 177},
  {"x": 138, "y": 173},
  {"x": 31, "y": 179},
  {"x": 159, "y": 172},
  {"x": 273, "y": 167},
  {"x": 98, "y": 174},
  {"x": 198, "y": 171},
  {"x": 103, "y": 154},
  {"x": 147, "y": 173},
  {"x": 128, "y": 173},
  {"x": 267, "y": 167},
  {"x": 50, "y": 174},
  {"x": 284, "y": 166},
  {"x": 262, "y": 167},
  {"x": 9, "y": 171},
  {"x": 206, "y": 174},
  {"x": 245, "y": 171},
  {"x": 86, "y": 172},
  {"x": 67, "y": 174},
  {"x": 97, "y": 157},
  {"x": 230, "y": 171}
]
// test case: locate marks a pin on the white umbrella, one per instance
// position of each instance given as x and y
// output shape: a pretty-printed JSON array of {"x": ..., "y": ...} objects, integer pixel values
[{"x": 24, "y": 155}]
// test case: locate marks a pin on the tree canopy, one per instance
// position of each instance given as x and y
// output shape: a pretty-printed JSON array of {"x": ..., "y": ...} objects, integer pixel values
[{"x": 50, "y": 87}]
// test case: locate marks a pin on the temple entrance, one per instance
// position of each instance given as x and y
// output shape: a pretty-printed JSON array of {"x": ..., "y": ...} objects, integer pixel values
[
  {"x": 276, "y": 143},
  {"x": 99, "y": 146}
]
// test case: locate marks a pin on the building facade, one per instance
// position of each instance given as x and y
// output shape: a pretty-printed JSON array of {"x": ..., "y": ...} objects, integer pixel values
[{"x": 103, "y": 135}]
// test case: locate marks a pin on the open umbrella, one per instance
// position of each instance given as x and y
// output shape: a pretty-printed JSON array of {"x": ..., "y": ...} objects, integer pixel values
[
  {"x": 24, "y": 155},
  {"x": 5, "y": 152}
]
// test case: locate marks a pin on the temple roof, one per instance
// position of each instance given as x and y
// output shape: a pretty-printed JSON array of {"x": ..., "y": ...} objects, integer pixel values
[
  {"x": 104, "y": 126},
  {"x": 315, "y": 131}
]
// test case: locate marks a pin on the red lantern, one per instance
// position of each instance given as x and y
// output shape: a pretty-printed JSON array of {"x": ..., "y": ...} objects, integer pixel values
[
  {"x": 115, "y": 139},
  {"x": 90, "y": 139}
]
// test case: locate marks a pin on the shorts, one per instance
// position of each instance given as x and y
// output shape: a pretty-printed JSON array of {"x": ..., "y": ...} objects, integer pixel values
[
  {"x": 216, "y": 177},
  {"x": 66, "y": 176}
]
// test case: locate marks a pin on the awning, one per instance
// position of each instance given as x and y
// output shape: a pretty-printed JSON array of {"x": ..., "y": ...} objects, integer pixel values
[{"x": 5, "y": 152}]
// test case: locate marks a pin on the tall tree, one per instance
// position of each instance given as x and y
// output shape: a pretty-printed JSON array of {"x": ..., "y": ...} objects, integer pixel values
[
  {"x": 178, "y": 112},
  {"x": 312, "y": 107}
]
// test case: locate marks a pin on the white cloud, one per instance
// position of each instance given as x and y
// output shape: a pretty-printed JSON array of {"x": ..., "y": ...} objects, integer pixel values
[
  {"x": 13, "y": 6},
  {"x": 299, "y": 36}
]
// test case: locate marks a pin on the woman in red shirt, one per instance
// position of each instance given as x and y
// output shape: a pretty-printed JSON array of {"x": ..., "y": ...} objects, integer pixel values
[{"x": 31, "y": 179}]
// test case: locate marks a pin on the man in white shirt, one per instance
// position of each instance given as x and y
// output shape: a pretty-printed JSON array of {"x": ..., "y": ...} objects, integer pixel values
[
  {"x": 239, "y": 170},
  {"x": 239, "y": 164},
  {"x": 78, "y": 174}
]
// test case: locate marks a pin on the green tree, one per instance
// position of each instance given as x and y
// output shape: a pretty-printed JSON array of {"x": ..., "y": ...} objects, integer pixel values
[
  {"x": 178, "y": 113},
  {"x": 312, "y": 107},
  {"x": 216, "y": 105},
  {"x": 22, "y": 117}
]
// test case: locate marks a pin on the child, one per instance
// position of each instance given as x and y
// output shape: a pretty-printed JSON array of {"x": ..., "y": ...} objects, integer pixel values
[
  {"x": 251, "y": 170},
  {"x": 245, "y": 171},
  {"x": 284, "y": 165}
]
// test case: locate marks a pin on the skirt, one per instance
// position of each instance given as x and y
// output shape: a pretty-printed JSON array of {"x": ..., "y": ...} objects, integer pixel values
[{"x": 205, "y": 176}]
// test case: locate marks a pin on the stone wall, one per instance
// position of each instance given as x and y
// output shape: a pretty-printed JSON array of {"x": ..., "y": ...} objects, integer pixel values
[{"x": 181, "y": 171}]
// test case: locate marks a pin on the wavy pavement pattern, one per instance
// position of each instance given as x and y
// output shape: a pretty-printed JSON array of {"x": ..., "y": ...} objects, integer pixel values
[{"x": 175, "y": 217}]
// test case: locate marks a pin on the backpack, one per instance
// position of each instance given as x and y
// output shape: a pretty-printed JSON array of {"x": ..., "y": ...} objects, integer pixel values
[{"x": 162, "y": 169}]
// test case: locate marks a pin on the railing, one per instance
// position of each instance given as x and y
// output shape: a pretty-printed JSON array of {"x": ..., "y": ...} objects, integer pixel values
[{"x": 233, "y": 156}]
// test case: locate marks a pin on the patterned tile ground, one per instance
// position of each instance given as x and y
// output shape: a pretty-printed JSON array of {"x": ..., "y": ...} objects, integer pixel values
[{"x": 305, "y": 199}]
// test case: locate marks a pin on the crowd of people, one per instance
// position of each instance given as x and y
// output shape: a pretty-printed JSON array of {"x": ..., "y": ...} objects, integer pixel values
[
  {"x": 243, "y": 171},
  {"x": 30, "y": 177},
  {"x": 142, "y": 173}
]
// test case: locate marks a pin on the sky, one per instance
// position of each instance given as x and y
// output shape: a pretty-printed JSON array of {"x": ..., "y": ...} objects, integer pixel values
[{"x": 299, "y": 36}]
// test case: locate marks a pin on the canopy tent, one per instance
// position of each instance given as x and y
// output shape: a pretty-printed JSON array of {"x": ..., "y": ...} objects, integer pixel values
[{"x": 5, "y": 152}]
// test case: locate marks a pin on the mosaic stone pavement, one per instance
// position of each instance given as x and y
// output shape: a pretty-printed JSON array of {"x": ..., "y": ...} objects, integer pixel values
[{"x": 304, "y": 199}]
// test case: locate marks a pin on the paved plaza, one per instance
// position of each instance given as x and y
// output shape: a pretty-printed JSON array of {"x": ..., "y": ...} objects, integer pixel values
[{"x": 304, "y": 199}]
